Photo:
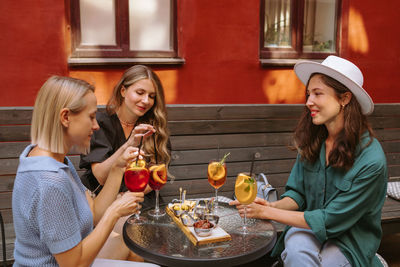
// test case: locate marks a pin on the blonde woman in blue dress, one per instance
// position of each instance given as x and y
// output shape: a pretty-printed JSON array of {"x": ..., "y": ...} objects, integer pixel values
[{"x": 56, "y": 222}]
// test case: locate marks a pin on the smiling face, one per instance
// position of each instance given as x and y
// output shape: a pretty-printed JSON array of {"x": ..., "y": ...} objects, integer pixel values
[
  {"x": 323, "y": 103},
  {"x": 82, "y": 124},
  {"x": 139, "y": 97}
]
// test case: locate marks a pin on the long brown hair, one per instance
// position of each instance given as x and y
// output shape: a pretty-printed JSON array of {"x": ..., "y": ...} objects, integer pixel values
[
  {"x": 156, "y": 116},
  {"x": 308, "y": 137}
]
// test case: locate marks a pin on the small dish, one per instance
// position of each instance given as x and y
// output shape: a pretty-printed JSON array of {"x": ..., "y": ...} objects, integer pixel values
[
  {"x": 212, "y": 218},
  {"x": 203, "y": 228},
  {"x": 187, "y": 219},
  {"x": 178, "y": 213}
]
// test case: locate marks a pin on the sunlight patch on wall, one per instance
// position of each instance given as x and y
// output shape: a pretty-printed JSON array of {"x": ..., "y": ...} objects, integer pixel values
[
  {"x": 358, "y": 38},
  {"x": 283, "y": 87},
  {"x": 104, "y": 82},
  {"x": 169, "y": 79}
]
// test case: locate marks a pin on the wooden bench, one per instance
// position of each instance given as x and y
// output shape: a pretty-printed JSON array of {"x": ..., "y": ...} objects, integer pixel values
[{"x": 197, "y": 133}]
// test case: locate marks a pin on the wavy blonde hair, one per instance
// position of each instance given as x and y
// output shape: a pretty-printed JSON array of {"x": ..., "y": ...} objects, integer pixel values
[
  {"x": 156, "y": 116},
  {"x": 56, "y": 93}
]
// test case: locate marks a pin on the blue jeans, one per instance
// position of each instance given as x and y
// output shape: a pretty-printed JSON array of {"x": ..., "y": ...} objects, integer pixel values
[{"x": 302, "y": 248}]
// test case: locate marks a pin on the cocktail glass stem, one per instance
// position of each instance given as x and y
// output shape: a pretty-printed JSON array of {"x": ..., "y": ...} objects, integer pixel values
[
  {"x": 136, "y": 218},
  {"x": 157, "y": 212},
  {"x": 245, "y": 221},
  {"x": 157, "y": 208},
  {"x": 216, "y": 199}
]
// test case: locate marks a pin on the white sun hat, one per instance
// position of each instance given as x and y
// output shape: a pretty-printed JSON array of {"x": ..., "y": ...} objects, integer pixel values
[{"x": 341, "y": 70}]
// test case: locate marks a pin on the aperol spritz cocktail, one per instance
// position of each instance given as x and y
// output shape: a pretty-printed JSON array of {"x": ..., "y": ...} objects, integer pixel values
[
  {"x": 216, "y": 173},
  {"x": 158, "y": 178},
  {"x": 136, "y": 179},
  {"x": 245, "y": 192}
]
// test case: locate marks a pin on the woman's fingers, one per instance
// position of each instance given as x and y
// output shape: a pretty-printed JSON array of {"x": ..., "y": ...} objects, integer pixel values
[
  {"x": 234, "y": 203},
  {"x": 143, "y": 130},
  {"x": 261, "y": 201},
  {"x": 135, "y": 196},
  {"x": 140, "y": 131},
  {"x": 131, "y": 153},
  {"x": 128, "y": 203}
]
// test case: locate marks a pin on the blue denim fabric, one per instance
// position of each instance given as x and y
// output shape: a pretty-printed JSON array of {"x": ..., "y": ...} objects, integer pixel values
[{"x": 303, "y": 249}]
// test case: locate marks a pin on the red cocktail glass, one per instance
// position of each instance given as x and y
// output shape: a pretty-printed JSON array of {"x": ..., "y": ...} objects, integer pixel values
[
  {"x": 158, "y": 178},
  {"x": 136, "y": 179}
]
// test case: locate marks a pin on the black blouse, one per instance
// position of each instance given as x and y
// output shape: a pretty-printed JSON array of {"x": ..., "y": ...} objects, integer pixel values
[{"x": 103, "y": 145}]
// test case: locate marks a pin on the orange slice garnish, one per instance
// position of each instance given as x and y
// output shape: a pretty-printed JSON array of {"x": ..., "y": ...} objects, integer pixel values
[
  {"x": 159, "y": 173},
  {"x": 136, "y": 168},
  {"x": 245, "y": 189},
  {"x": 216, "y": 171},
  {"x": 140, "y": 163}
]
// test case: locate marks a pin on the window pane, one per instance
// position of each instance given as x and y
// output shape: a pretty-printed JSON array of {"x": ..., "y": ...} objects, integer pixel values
[
  {"x": 97, "y": 22},
  {"x": 319, "y": 26},
  {"x": 149, "y": 25},
  {"x": 277, "y": 23}
]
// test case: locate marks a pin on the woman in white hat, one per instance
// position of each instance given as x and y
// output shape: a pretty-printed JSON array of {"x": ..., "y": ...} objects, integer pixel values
[{"x": 335, "y": 192}]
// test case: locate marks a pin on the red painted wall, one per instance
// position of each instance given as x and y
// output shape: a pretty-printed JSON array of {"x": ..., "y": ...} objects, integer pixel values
[
  {"x": 219, "y": 41},
  {"x": 32, "y": 47}
]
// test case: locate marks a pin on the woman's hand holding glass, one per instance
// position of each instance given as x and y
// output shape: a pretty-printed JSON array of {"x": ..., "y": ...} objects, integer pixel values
[
  {"x": 127, "y": 162},
  {"x": 254, "y": 210},
  {"x": 127, "y": 203}
]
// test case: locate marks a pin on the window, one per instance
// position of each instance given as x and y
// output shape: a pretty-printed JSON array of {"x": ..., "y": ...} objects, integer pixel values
[
  {"x": 123, "y": 31},
  {"x": 293, "y": 29}
]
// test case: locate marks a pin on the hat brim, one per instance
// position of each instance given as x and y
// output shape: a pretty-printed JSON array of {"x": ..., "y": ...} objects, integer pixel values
[{"x": 304, "y": 69}]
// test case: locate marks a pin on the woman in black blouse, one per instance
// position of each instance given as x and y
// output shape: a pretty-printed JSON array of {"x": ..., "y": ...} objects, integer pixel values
[{"x": 135, "y": 109}]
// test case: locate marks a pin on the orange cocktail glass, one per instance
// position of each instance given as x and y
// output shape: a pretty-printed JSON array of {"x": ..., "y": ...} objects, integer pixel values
[
  {"x": 216, "y": 173},
  {"x": 245, "y": 192}
]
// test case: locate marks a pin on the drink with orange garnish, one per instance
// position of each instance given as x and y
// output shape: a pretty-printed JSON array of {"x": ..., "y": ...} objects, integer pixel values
[
  {"x": 245, "y": 192},
  {"x": 216, "y": 173},
  {"x": 158, "y": 178},
  {"x": 136, "y": 179}
]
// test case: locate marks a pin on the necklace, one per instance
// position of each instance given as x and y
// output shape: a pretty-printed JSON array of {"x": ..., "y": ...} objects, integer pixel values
[{"x": 126, "y": 124}]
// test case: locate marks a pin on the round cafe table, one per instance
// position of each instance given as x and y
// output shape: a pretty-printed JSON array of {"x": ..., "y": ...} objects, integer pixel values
[{"x": 161, "y": 241}]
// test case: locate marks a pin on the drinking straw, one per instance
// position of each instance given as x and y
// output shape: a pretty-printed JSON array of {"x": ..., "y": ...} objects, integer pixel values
[
  {"x": 252, "y": 164},
  {"x": 140, "y": 145},
  {"x": 217, "y": 150},
  {"x": 155, "y": 148}
]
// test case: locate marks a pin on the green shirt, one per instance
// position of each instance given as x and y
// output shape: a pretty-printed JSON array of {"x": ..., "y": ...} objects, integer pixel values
[{"x": 344, "y": 207}]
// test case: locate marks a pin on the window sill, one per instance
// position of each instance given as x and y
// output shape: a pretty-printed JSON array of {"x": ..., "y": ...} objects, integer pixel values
[
  {"x": 76, "y": 62},
  {"x": 284, "y": 62}
]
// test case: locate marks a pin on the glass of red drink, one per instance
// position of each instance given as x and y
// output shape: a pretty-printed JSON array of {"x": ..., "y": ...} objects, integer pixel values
[
  {"x": 136, "y": 179},
  {"x": 158, "y": 178}
]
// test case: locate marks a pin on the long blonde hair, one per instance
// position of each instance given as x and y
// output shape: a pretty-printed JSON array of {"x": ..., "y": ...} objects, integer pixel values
[
  {"x": 156, "y": 116},
  {"x": 56, "y": 93}
]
